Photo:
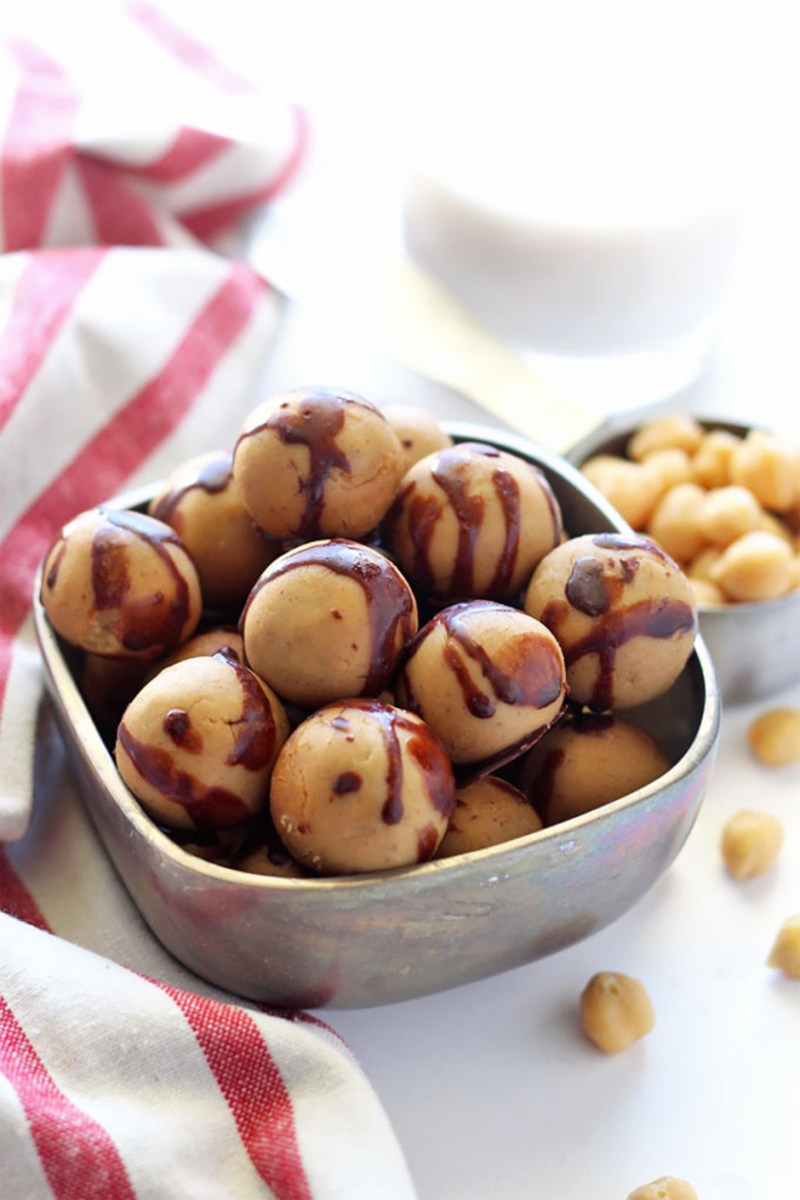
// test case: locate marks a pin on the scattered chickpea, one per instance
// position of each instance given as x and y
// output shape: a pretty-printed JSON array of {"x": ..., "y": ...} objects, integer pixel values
[
  {"x": 774, "y": 737},
  {"x": 675, "y": 522},
  {"x": 785, "y": 953},
  {"x": 757, "y": 566},
  {"x": 751, "y": 841},
  {"x": 727, "y": 513},
  {"x": 665, "y": 1188},
  {"x": 664, "y": 432},
  {"x": 768, "y": 468},
  {"x": 615, "y": 1010}
]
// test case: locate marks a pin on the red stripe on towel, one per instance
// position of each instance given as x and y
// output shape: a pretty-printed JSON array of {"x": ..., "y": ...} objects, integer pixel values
[
  {"x": 209, "y": 220},
  {"x": 78, "y": 1156},
  {"x": 253, "y": 1087},
  {"x": 45, "y": 292},
  {"x": 37, "y": 147},
  {"x": 120, "y": 216},
  {"x": 15, "y": 899},
  {"x": 115, "y": 452},
  {"x": 186, "y": 49}
]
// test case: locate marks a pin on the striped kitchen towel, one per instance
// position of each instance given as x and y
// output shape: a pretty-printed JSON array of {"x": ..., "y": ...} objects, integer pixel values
[{"x": 128, "y": 342}]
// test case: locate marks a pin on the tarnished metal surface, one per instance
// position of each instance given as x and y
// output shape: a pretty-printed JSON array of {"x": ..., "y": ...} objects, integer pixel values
[
  {"x": 374, "y": 939},
  {"x": 755, "y": 648}
]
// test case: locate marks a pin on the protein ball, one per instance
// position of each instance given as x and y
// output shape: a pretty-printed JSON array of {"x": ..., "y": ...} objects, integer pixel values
[
  {"x": 197, "y": 745},
  {"x": 317, "y": 463},
  {"x": 488, "y": 679},
  {"x": 587, "y": 761},
  {"x": 418, "y": 432},
  {"x": 121, "y": 584},
  {"x": 202, "y": 504},
  {"x": 473, "y": 521},
  {"x": 488, "y": 812},
  {"x": 327, "y": 621},
  {"x": 623, "y": 613},
  {"x": 362, "y": 786}
]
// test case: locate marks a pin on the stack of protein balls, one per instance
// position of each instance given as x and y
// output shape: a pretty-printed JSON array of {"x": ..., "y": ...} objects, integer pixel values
[{"x": 351, "y": 645}]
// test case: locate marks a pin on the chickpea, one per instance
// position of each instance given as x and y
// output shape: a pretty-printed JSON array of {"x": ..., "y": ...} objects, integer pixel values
[
  {"x": 757, "y": 566},
  {"x": 728, "y": 513},
  {"x": 670, "y": 465},
  {"x": 665, "y": 432},
  {"x": 701, "y": 564},
  {"x": 710, "y": 466},
  {"x": 674, "y": 523},
  {"x": 751, "y": 842},
  {"x": 769, "y": 523},
  {"x": 774, "y": 737},
  {"x": 630, "y": 488},
  {"x": 615, "y": 1011},
  {"x": 768, "y": 467},
  {"x": 665, "y": 1188},
  {"x": 706, "y": 592},
  {"x": 785, "y": 952}
]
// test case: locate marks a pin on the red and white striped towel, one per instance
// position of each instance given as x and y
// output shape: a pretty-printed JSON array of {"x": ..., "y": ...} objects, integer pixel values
[{"x": 125, "y": 346}]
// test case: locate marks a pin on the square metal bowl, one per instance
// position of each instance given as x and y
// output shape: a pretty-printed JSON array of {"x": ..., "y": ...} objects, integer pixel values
[{"x": 378, "y": 938}]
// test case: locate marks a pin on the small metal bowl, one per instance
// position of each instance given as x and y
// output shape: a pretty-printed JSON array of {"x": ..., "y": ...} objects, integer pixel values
[
  {"x": 755, "y": 647},
  {"x": 374, "y": 939}
]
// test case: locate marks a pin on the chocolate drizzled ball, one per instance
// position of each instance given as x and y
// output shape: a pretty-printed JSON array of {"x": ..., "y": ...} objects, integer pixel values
[
  {"x": 317, "y": 463},
  {"x": 202, "y": 504},
  {"x": 488, "y": 679},
  {"x": 589, "y": 760},
  {"x": 197, "y": 745},
  {"x": 328, "y": 620},
  {"x": 121, "y": 584},
  {"x": 473, "y": 521},
  {"x": 623, "y": 613},
  {"x": 361, "y": 786},
  {"x": 488, "y": 812}
]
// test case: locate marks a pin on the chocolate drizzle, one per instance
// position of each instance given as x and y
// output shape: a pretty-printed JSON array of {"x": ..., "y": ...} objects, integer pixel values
[
  {"x": 55, "y": 564},
  {"x": 507, "y": 491},
  {"x": 389, "y": 600},
  {"x": 648, "y": 618},
  {"x": 527, "y": 672},
  {"x": 178, "y": 727},
  {"x": 588, "y": 588},
  {"x": 256, "y": 735},
  {"x": 348, "y": 781},
  {"x": 313, "y": 419},
  {"x": 454, "y": 473},
  {"x": 421, "y": 745},
  {"x": 149, "y": 622},
  {"x": 207, "y": 807},
  {"x": 212, "y": 476}
]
